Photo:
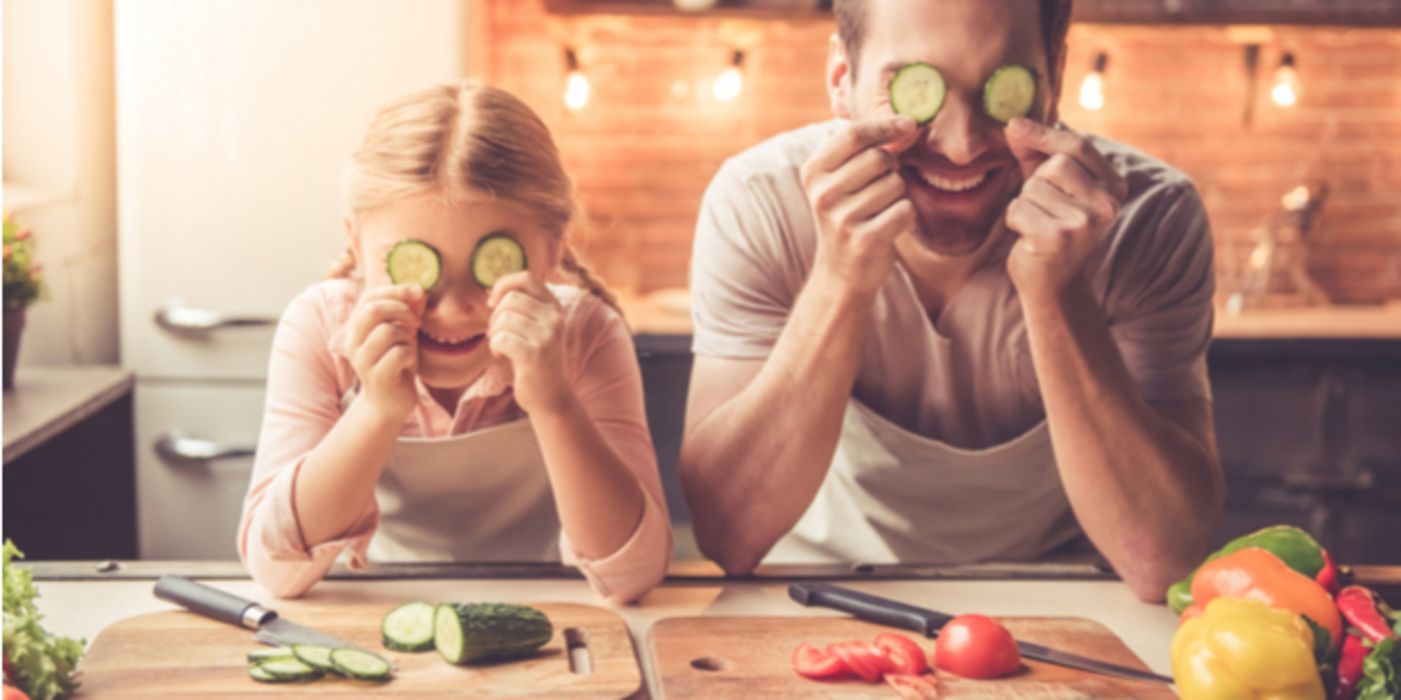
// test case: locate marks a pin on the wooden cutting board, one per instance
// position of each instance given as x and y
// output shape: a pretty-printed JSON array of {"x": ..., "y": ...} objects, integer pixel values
[
  {"x": 722, "y": 657},
  {"x": 186, "y": 655}
]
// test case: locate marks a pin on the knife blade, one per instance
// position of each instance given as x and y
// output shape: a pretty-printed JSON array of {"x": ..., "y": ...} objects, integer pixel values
[
  {"x": 226, "y": 607},
  {"x": 927, "y": 622}
]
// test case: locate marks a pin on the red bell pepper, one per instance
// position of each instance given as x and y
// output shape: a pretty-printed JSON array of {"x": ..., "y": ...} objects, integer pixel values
[
  {"x": 1363, "y": 609},
  {"x": 1350, "y": 667},
  {"x": 1328, "y": 575}
]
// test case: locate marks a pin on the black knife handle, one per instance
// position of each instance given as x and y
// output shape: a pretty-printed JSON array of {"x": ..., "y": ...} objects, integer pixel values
[
  {"x": 868, "y": 607},
  {"x": 211, "y": 602}
]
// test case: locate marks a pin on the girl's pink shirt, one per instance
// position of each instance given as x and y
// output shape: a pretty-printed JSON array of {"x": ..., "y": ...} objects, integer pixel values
[{"x": 308, "y": 376}]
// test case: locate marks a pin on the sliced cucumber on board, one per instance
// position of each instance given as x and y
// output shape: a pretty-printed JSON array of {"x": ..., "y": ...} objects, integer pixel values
[
  {"x": 408, "y": 627},
  {"x": 270, "y": 653},
  {"x": 289, "y": 670},
  {"x": 1009, "y": 92},
  {"x": 496, "y": 256},
  {"x": 414, "y": 262},
  {"x": 362, "y": 665},
  {"x": 314, "y": 655},
  {"x": 917, "y": 91}
]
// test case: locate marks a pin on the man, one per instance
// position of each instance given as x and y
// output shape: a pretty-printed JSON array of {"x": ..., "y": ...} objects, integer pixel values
[{"x": 959, "y": 342}]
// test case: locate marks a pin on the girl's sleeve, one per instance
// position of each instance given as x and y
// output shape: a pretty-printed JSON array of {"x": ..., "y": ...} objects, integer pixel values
[
  {"x": 303, "y": 403},
  {"x": 608, "y": 382}
]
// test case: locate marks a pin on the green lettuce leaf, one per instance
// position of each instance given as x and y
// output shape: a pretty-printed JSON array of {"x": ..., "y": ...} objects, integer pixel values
[
  {"x": 1380, "y": 678},
  {"x": 40, "y": 664}
]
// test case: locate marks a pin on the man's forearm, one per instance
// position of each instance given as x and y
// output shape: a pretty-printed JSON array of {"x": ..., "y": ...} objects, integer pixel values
[
  {"x": 1146, "y": 490},
  {"x": 752, "y": 467}
]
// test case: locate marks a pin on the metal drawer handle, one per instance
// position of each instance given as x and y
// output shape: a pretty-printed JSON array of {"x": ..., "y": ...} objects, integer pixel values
[
  {"x": 176, "y": 447},
  {"x": 186, "y": 321}
]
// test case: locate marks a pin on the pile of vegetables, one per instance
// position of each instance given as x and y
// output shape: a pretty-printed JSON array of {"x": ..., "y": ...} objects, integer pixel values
[
  {"x": 38, "y": 665},
  {"x": 1265, "y": 617}
]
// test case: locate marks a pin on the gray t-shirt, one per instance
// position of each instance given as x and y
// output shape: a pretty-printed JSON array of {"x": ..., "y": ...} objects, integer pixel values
[{"x": 967, "y": 381}]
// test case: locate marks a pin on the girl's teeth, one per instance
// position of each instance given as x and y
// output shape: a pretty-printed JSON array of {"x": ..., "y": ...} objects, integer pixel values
[{"x": 952, "y": 185}]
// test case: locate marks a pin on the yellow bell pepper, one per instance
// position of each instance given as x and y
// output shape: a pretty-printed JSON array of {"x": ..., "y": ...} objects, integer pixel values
[{"x": 1240, "y": 648}]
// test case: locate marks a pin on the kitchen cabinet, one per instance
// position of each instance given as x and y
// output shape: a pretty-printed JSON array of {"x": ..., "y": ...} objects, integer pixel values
[{"x": 69, "y": 470}]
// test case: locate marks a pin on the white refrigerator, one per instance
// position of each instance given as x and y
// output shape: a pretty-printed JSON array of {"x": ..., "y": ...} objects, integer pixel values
[{"x": 234, "y": 121}]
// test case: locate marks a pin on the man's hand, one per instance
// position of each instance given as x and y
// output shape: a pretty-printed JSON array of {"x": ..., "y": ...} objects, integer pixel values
[
  {"x": 858, "y": 201},
  {"x": 1070, "y": 197}
]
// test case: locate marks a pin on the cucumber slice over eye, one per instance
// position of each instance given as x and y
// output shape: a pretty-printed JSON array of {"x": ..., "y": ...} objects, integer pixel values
[
  {"x": 360, "y": 664},
  {"x": 917, "y": 91},
  {"x": 414, "y": 262},
  {"x": 496, "y": 256},
  {"x": 1009, "y": 92}
]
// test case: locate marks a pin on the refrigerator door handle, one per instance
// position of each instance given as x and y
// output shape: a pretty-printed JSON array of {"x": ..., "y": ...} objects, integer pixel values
[
  {"x": 180, "y": 450},
  {"x": 183, "y": 320}
]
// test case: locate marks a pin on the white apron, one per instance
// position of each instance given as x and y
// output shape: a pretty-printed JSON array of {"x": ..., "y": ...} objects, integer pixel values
[
  {"x": 480, "y": 496},
  {"x": 893, "y": 496}
]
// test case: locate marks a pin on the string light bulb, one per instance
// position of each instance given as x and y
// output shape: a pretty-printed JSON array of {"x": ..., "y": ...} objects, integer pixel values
[
  {"x": 731, "y": 80},
  {"x": 1285, "y": 92},
  {"x": 1092, "y": 87},
  {"x": 576, "y": 85}
]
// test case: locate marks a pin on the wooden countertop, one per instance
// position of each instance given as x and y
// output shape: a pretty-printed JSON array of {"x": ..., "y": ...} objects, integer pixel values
[
  {"x": 83, "y": 608},
  {"x": 668, "y": 313},
  {"x": 49, "y": 400}
]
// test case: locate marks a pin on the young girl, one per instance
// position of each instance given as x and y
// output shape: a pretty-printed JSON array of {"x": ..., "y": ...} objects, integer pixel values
[{"x": 457, "y": 423}]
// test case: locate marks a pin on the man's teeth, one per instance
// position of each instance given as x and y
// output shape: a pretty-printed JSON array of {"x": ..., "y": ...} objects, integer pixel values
[
  {"x": 949, "y": 185},
  {"x": 447, "y": 341}
]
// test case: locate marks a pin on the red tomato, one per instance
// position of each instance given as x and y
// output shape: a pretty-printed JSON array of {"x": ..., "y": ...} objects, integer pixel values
[
  {"x": 904, "y": 652},
  {"x": 814, "y": 663},
  {"x": 13, "y": 693},
  {"x": 974, "y": 646},
  {"x": 863, "y": 659}
]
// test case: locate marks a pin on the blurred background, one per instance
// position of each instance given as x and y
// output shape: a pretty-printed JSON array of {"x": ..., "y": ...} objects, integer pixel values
[{"x": 175, "y": 165}]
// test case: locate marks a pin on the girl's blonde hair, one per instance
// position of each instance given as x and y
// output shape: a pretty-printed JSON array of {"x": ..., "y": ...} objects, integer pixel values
[{"x": 466, "y": 135}]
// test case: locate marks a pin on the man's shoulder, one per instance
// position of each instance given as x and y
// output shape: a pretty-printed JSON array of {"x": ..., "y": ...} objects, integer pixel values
[
  {"x": 779, "y": 157},
  {"x": 1149, "y": 178}
]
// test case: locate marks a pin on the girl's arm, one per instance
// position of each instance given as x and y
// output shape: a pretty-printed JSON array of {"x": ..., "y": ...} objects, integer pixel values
[
  {"x": 312, "y": 491},
  {"x": 592, "y": 430}
]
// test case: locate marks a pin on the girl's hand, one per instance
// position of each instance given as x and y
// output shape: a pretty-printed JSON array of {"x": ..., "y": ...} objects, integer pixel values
[
  {"x": 381, "y": 341},
  {"x": 525, "y": 328}
]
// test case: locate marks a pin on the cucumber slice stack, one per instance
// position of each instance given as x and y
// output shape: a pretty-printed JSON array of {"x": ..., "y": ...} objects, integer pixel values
[
  {"x": 917, "y": 91},
  {"x": 1009, "y": 92},
  {"x": 414, "y": 262},
  {"x": 308, "y": 662},
  {"x": 496, "y": 256}
]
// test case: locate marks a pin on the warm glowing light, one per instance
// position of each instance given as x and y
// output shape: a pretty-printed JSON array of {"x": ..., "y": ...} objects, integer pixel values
[
  {"x": 576, "y": 91},
  {"x": 1092, "y": 91},
  {"x": 1285, "y": 92},
  {"x": 728, "y": 85}
]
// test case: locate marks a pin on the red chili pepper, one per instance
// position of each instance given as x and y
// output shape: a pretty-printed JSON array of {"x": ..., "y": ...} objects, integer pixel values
[
  {"x": 1328, "y": 575},
  {"x": 1350, "y": 667},
  {"x": 1358, "y": 604}
]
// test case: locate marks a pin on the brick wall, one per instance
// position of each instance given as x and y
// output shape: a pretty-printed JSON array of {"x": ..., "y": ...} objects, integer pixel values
[{"x": 652, "y": 134}]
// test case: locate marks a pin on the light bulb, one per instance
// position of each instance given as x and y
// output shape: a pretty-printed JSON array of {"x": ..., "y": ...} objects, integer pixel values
[
  {"x": 1285, "y": 92},
  {"x": 1092, "y": 87},
  {"x": 576, "y": 91},
  {"x": 1092, "y": 91},
  {"x": 728, "y": 85}
]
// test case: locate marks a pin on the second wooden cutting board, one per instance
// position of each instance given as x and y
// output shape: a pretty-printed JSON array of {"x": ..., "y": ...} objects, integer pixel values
[{"x": 722, "y": 657}]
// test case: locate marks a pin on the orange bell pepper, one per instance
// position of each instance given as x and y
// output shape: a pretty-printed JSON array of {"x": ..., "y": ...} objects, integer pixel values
[{"x": 1259, "y": 575}]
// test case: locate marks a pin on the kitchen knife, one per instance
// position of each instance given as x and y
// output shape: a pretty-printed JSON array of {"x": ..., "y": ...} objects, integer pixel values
[
  {"x": 927, "y": 622},
  {"x": 227, "y": 607}
]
